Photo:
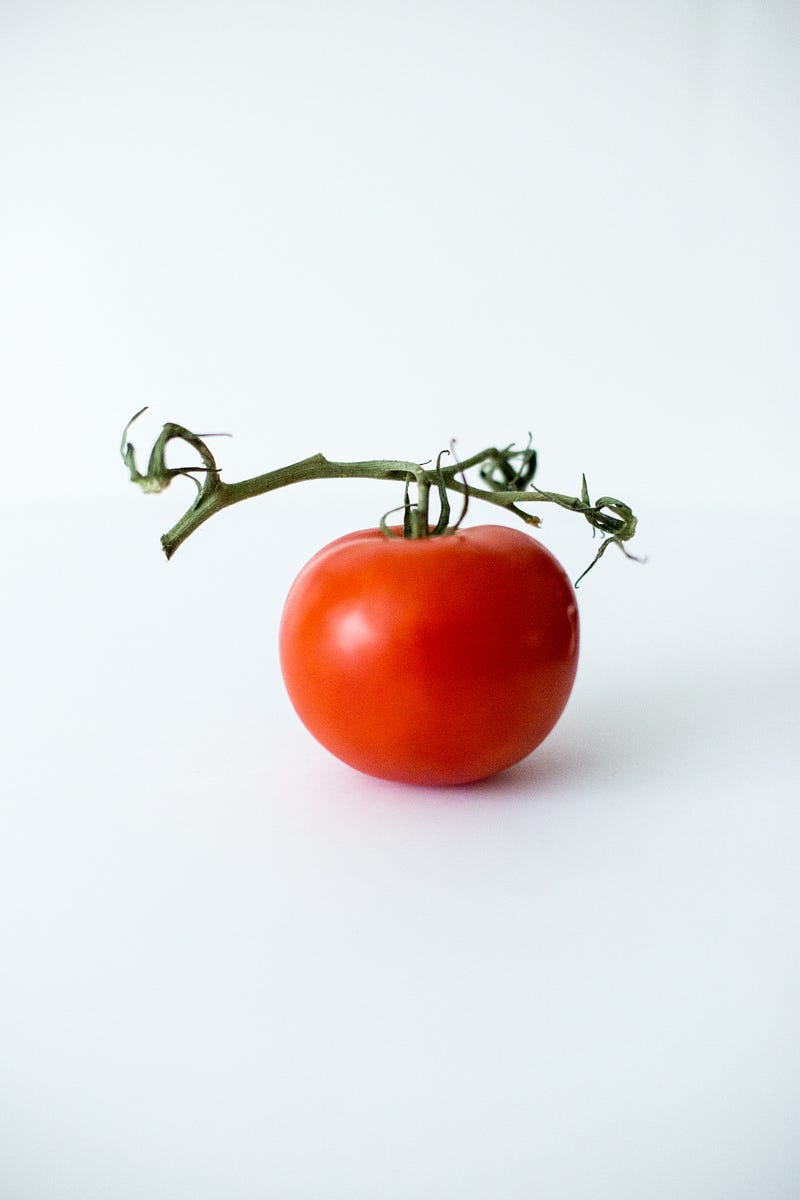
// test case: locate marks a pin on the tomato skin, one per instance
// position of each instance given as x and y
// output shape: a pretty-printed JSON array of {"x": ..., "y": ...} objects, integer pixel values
[{"x": 438, "y": 660}]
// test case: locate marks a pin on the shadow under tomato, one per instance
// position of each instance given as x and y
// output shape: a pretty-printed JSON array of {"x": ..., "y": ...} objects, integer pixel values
[
  {"x": 666, "y": 725},
  {"x": 540, "y": 771}
]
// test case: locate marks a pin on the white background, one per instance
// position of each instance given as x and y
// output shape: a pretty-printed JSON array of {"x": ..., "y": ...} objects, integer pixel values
[{"x": 230, "y": 966}]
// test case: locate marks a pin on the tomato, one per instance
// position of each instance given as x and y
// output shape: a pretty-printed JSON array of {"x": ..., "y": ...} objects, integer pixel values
[{"x": 438, "y": 660}]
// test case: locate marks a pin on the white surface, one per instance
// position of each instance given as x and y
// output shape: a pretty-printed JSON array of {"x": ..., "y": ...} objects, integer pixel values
[{"x": 230, "y": 967}]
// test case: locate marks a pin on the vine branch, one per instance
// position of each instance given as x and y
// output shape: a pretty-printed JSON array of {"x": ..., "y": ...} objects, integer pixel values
[{"x": 507, "y": 473}]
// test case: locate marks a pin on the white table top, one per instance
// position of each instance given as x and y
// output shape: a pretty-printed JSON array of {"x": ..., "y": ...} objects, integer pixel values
[{"x": 232, "y": 966}]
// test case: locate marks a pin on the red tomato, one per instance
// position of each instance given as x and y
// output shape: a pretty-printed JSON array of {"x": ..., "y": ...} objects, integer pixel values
[{"x": 436, "y": 660}]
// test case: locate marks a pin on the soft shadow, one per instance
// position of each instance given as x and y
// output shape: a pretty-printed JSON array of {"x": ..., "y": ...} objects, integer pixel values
[{"x": 629, "y": 736}]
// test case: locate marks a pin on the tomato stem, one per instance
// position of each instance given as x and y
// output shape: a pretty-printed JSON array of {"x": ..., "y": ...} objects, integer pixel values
[{"x": 508, "y": 474}]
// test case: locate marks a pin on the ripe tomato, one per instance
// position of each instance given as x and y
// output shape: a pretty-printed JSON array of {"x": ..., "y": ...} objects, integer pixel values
[{"x": 436, "y": 660}]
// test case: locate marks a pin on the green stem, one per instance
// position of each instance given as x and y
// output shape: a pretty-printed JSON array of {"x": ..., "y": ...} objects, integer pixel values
[
  {"x": 222, "y": 495},
  {"x": 499, "y": 468}
]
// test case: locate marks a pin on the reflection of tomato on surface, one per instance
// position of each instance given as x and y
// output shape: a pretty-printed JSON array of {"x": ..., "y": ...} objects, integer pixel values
[{"x": 434, "y": 660}]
